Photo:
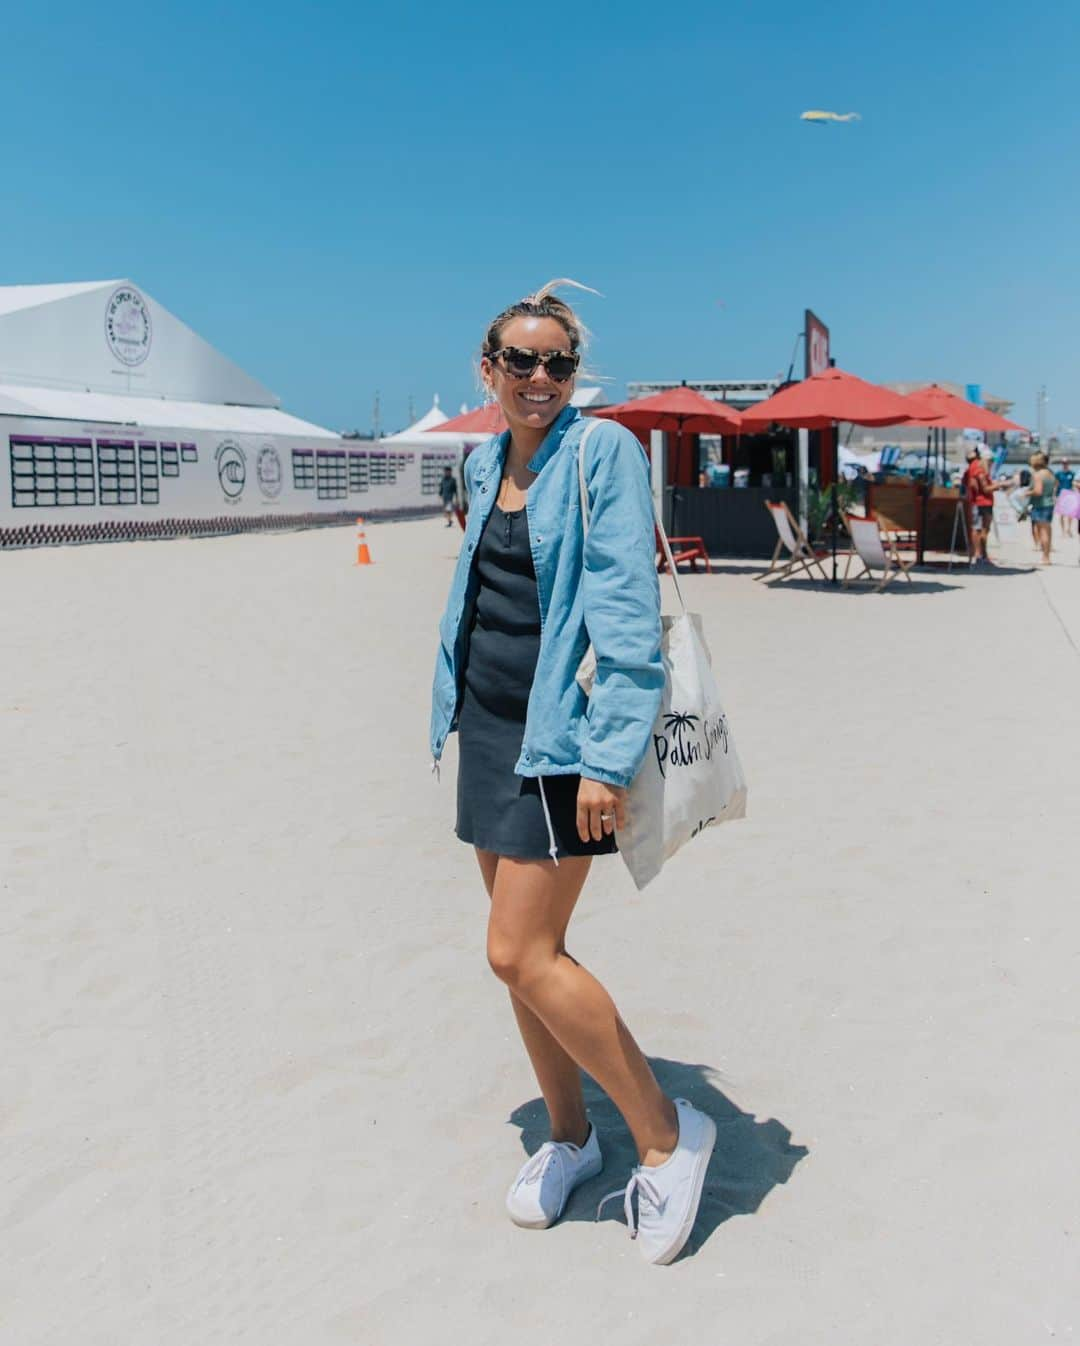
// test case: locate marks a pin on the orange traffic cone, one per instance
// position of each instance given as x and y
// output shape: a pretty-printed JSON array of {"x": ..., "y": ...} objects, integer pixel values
[{"x": 363, "y": 556}]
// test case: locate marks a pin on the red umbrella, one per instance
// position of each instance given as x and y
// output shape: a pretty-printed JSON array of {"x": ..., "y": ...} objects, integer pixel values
[
  {"x": 955, "y": 413},
  {"x": 952, "y": 413},
  {"x": 834, "y": 395},
  {"x": 818, "y": 402},
  {"x": 679, "y": 410},
  {"x": 485, "y": 420}
]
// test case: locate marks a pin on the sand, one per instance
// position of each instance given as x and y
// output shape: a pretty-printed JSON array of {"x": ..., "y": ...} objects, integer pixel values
[{"x": 260, "y": 1086}]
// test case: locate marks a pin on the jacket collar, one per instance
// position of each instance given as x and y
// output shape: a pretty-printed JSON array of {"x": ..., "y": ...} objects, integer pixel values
[
  {"x": 495, "y": 449},
  {"x": 553, "y": 439}
]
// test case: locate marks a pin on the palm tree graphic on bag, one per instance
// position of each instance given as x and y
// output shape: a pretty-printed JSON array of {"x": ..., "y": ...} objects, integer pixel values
[{"x": 676, "y": 747}]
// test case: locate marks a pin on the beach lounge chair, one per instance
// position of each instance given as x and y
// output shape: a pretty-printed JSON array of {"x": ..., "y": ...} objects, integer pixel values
[
  {"x": 690, "y": 549},
  {"x": 790, "y": 537},
  {"x": 875, "y": 551}
]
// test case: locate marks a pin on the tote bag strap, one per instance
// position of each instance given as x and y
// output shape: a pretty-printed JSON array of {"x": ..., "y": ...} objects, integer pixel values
[{"x": 593, "y": 422}]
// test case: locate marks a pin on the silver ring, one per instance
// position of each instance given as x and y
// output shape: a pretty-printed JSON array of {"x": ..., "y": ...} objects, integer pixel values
[{"x": 606, "y": 817}]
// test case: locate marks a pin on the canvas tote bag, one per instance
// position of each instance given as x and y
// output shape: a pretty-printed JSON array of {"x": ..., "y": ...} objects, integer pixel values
[{"x": 691, "y": 777}]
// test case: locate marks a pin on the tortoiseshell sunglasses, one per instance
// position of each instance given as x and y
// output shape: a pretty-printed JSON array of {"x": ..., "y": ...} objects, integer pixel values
[{"x": 520, "y": 362}]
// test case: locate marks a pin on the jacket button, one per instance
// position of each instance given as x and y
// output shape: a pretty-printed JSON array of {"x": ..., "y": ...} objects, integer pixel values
[
  {"x": 539, "y": 538},
  {"x": 471, "y": 545},
  {"x": 483, "y": 490}
]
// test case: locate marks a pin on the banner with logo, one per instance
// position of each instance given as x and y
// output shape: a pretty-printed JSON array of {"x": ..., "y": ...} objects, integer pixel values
[
  {"x": 816, "y": 343},
  {"x": 62, "y": 472}
]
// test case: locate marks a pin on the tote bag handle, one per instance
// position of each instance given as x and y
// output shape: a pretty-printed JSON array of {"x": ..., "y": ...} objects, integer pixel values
[{"x": 664, "y": 543}]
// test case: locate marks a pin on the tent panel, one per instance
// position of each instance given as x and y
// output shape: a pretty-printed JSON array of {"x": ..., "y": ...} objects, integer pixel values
[{"x": 114, "y": 338}]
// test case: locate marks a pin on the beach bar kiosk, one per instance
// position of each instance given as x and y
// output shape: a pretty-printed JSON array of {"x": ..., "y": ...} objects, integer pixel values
[{"x": 716, "y": 488}]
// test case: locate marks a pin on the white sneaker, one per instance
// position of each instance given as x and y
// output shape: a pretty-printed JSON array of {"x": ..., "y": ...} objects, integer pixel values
[
  {"x": 539, "y": 1193},
  {"x": 669, "y": 1193}
]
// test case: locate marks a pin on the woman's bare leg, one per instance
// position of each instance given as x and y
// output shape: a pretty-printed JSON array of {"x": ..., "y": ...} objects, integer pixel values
[
  {"x": 531, "y": 905},
  {"x": 557, "y": 1073},
  {"x": 1046, "y": 540}
]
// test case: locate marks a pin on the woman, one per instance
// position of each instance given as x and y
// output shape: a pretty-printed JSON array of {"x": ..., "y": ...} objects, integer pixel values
[
  {"x": 543, "y": 771},
  {"x": 1042, "y": 490}
]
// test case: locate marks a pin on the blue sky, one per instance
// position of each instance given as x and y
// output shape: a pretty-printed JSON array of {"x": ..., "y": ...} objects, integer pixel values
[{"x": 341, "y": 196}]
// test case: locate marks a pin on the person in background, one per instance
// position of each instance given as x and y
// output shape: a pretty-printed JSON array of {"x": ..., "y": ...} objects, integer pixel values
[
  {"x": 1041, "y": 492},
  {"x": 449, "y": 493},
  {"x": 1065, "y": 477},
  {"x": 979, "y": 491}
]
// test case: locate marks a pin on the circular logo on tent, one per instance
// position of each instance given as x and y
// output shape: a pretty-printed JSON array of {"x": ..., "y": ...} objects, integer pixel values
[
  {"x": 268, "y": 471},
  {"x": 231, "y": 468},
  {"x": 127, "y": 326}
]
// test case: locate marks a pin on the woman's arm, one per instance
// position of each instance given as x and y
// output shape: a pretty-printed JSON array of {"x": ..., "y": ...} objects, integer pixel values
[{"x": 622, "y": 607}]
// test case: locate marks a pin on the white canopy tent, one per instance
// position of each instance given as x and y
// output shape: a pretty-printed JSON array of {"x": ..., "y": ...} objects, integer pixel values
[
  {"x": 118, "y": 420},
  {"x": 117, "y": 409},
  {"x": 850, "y": 461},
  {"x": 433, "y": 417},
  {"x": 111, "y": 337}
]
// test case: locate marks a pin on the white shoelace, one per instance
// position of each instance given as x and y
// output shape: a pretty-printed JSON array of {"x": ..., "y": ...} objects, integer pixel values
[
  {"x": 644, "y": 1187},
  {"x": 535, "y": 1167}
]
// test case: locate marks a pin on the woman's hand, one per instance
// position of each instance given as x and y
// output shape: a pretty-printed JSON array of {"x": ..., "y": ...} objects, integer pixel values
[{"x": 594, "y": 799}]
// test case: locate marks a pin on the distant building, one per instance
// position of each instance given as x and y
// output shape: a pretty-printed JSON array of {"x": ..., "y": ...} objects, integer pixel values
[{"x": 738, "y": 393}]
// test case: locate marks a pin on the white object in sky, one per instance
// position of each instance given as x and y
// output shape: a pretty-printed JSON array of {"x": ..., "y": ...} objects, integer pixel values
[{"x": 823, "y": 118}]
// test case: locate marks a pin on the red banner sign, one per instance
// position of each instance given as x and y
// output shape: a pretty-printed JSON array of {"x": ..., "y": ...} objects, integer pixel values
[{"x": 817, "y": 344}]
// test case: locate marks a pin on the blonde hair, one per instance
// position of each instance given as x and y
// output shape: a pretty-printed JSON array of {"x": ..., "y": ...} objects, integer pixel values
[{"x": 543, "y": 303}]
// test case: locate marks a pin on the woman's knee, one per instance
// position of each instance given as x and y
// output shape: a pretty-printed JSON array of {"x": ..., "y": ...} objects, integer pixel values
[{"x": 515, "y": 962}]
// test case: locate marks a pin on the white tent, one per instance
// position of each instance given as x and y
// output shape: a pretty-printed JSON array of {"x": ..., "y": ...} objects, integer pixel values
[
  {"x": 590, "y": 395},
  {"x": 426, "y": 432},
  {"x": 111, "y": 337},
  {"x": 850, "y": 461},
  {"x": 117, "y": 420},
  {"x": 118, "y": 409},
  {"x": 434, "y": 416}
]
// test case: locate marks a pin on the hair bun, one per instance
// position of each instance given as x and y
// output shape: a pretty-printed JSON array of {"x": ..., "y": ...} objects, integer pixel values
[
  {"x": 542, "y": 303},
  {"x": 548, "y": 291}
]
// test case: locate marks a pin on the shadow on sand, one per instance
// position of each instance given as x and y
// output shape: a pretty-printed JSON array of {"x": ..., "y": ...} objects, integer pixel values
[
  {"x": 737, "y": 567},
  {"x": 854, "y": 590},
  {"x": 995, "y": 569},
  {"x": 750, "y": 1158}
]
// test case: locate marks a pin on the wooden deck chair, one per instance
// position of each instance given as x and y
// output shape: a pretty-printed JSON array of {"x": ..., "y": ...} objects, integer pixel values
[
  {"x": 790, "y": 536},
  {"x": 875, "y": 551}
]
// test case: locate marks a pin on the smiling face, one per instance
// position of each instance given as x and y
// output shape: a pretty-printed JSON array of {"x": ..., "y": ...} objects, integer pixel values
[{"x": 533, "y": 403}]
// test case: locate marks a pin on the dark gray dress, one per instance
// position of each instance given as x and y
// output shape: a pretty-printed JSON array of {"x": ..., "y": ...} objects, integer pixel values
[{"x": 497, "y": 810}]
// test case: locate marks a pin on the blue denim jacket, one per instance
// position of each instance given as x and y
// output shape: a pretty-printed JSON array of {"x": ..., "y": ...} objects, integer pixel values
[{"x": 605, "y": 591}]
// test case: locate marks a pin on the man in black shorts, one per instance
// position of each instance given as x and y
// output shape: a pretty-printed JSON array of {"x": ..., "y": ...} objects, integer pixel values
[{"x": 449, "y": 494}]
